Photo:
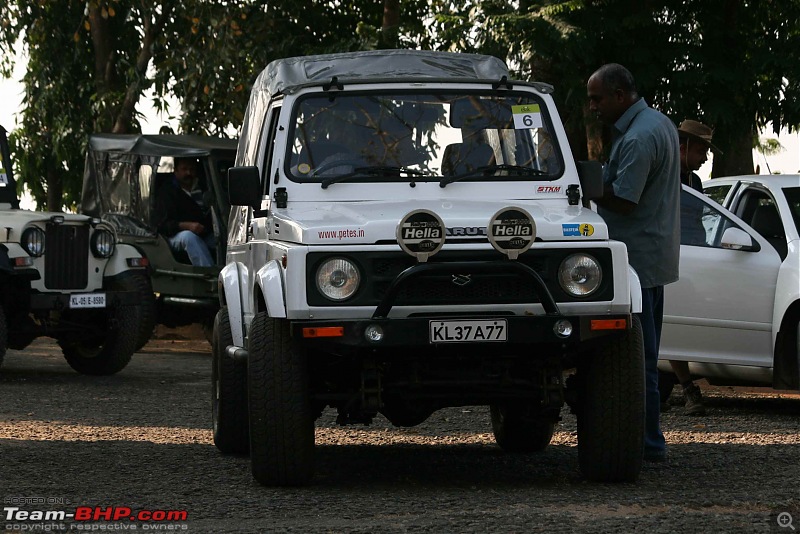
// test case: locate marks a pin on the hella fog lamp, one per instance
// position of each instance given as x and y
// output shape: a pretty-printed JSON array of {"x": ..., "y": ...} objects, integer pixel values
[
  {"x": 102, "y": 244},
  {"x": 338, "y": 279},
  {"x": 580, "y": 275},
  {"x": 33, "y": 241}
]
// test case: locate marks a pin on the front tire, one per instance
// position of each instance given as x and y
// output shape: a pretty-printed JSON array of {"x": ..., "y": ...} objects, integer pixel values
[
  {"x": 229, "y": 391},
  {"x": 102, "y": 357},
  {"x": 146, "y": 307},
  {"x": 518, "y": 430},
  {"x": 281, "y": 419},
  {"x": 611, "y": 415}
]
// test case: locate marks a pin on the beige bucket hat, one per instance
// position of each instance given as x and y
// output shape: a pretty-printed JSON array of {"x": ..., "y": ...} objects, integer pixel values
[{"x": 698, "y": 131}]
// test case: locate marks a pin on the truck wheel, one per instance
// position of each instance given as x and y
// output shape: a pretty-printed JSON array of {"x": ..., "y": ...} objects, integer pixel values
[
  {"x": 106, "y": 356},
  {"x": 281, "y": 420},
  {"x": 612, "y": 409},
  {"x": 229, "y": 391},
  {"x": 140, "y": 283},
  {"x": 516, "y": 429},
  {"x": 3, "y": 335}
]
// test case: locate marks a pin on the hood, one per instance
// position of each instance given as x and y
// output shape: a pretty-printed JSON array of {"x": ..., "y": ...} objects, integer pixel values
[
  {"x": 13, "y": 222},
  {"x": 318, "y": 223}
]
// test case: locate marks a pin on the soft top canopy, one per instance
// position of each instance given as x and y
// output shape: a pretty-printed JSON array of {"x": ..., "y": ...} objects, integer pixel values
[
  {"x": 283, "y": 75},
  {"x": 160, "y": 145}
]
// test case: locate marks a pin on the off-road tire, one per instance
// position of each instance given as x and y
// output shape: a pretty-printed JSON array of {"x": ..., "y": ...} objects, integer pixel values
[
  {"x": 611, "y": 415},
  {"x": 281, "y": 419},
  {"x": 140, "y": 283},
  {"x": 518, "y": 430},
  {"x": 105, "y": 356},
  {"x": 228, "y": 391},
  {"x": 3, "y": 336}
]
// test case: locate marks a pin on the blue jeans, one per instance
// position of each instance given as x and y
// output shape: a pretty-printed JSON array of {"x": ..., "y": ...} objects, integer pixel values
[
  {"x": 652, "y": 317},
  {"x": 198, "y": 248}
]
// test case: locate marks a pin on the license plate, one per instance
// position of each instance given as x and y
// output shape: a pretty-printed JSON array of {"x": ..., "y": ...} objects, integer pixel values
[
  {"x": 468, "y": 331},
  {"x": 88, "y": 300}
]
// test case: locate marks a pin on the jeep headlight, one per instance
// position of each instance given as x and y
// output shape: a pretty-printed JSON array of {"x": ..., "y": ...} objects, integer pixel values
[
  {"x": 338, "y": 279},
  {"x": 33, "y": 241},
  {"x": 103, "y": 244},
  {"x": 580, "y": 275}
]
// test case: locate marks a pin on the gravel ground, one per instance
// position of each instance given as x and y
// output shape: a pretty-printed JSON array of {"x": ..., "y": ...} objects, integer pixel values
[{"x": 142, "y": 440}]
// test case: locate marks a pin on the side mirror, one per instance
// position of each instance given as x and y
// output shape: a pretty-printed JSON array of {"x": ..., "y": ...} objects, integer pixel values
[
  {"x": 590, "y": 174},
  {"x": 736, "y": 239},
  {"x": 244, "y": 186}
]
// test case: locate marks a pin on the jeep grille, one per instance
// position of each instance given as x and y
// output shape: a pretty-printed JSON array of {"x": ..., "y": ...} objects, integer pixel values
[
  {"x": 379, "y": 269},
  {"x": 66, "y": 256}
]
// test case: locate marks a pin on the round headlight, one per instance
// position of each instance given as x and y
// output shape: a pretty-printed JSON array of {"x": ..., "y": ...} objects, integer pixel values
[
  {"x": 338, "y": 279},
  {"x": 102, "y": 244},
  {"x": 33, "y": 241},
  {"x": 580, "y": 275}
]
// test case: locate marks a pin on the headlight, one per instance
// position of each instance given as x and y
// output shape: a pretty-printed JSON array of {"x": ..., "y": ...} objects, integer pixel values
[
  {"x": 580, "y": 275},
  {"x": 102, "y": 244},
  {"x": 338, "y": 279},
  {"x": 33, "y": 241}
]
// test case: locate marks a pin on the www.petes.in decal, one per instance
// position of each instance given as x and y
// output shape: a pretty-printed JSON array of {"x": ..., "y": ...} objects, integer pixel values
[
  {"x": 421, "y": 233},
  {"x": 577, "y": 230},
  {"x": 512, "y": 231}
]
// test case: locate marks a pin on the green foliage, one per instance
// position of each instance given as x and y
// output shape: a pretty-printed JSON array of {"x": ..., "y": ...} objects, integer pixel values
[{"x": 731, "y": 64}]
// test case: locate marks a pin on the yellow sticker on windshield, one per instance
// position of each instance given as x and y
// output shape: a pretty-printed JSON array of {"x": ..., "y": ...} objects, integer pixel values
[
  {"x": 527, "y": 116},
  {"x": 304, "y": 168}
]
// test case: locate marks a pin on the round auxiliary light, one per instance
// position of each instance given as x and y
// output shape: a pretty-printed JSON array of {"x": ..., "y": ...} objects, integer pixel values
[
  {"x": 33, "y": 241},
  {"x": 338, "y": 279},
  {"x": 562, "y": 328},
  {"x": 373, "y": 333},
  {"x": 580, "y": 275}
]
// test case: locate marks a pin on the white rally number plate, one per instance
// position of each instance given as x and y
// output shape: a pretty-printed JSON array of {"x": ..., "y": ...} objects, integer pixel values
[
  {"x": 468, "y": 331},
  {"x": 88, "y": 300}
]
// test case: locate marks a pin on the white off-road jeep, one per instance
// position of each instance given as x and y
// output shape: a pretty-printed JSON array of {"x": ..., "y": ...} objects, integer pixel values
[
  {"x": 65, "y": 276},
  {"x": 408, "y": 233}
]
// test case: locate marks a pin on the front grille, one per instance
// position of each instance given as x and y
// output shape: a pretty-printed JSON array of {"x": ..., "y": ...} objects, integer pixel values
[
  {"x": 66, "y": 256},
  {"x": 379, "y": 270}
]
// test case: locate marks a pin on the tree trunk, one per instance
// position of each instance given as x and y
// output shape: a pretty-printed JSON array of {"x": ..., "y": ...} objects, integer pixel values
[
  {"x": 55, "y": 190},
  {"x": 738, "y": 156},
  {"x": 390, "y": 28}
]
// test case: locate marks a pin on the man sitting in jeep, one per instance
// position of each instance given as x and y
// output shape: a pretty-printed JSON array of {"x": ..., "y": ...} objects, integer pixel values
[{"x": 182, "y": 218}]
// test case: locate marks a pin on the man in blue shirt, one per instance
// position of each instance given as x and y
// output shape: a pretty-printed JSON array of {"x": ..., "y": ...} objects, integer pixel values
[{"x": 641, "y": 205}]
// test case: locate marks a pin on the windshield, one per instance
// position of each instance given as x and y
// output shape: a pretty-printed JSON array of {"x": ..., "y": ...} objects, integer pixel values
[
  {"x": 793, "y": 198},
  {"x": 372, "y": 137}
]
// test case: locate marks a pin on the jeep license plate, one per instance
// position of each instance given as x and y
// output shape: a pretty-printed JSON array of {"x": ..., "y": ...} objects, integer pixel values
[
  {"x": 468, "y": 331},
  {"x": 88, "y": 300}
]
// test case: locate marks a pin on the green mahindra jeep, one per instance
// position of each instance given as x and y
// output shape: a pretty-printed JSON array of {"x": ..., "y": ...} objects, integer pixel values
[{"x": 122, "y": 180}]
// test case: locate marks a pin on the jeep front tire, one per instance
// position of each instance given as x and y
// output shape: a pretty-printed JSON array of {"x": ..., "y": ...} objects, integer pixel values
[
  {"x": 611, "y": 409},
  {"x": 229, "y": 391},
  {"x": 519, "y": 430},
  {"x": 281, "y": 419},
  {"x": 108, "y": 355}
]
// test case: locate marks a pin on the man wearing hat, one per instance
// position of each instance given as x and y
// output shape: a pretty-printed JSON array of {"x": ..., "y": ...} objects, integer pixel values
[{"x": 695, "y": 141}]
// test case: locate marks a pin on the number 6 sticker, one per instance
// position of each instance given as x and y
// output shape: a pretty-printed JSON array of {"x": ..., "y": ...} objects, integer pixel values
[{"x": 527, "y": 116}]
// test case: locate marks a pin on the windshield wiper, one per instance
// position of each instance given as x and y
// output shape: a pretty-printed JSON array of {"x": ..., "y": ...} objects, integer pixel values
[
  {"x": 375, "y": 170},
  {"x": 483, "y": 170}
]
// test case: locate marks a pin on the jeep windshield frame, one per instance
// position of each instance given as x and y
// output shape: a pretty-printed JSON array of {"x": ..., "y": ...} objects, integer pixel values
[
  {"x": 8, "y": 186},
  {"x": 432, "y": 134}
]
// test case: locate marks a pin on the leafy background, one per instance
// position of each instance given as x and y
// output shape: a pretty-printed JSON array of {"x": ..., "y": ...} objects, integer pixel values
[{"x": 732, "y": 64}]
